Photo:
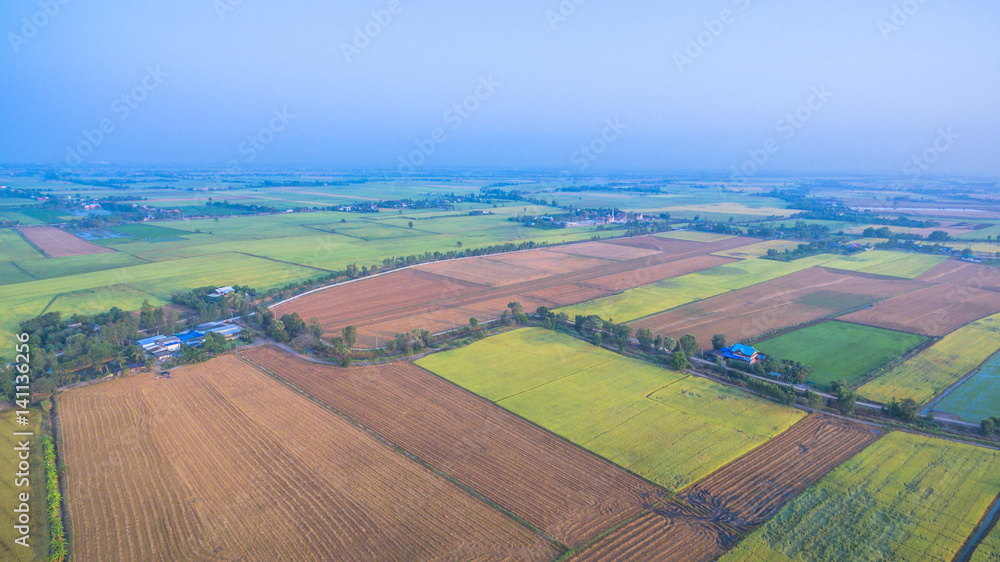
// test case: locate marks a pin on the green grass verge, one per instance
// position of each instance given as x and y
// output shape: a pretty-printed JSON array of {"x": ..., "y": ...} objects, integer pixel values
[
  {"x": 667, "y": 426},
  {"x": 39, "y": 535},
  {"x": 839, "y": 350},
  {"x": 906, "y": 497}
]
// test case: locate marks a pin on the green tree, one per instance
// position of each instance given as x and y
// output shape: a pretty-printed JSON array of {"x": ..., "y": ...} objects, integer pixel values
[
  {"x": 718, "y": 341},
  {"x": 988, "y": 426},
  {"x": 846, "y": 398},
  {"x": 474, "y": 323},
  {"x": 294, "y": 325},
  {"x": 350, "y": 335},
  {"x": 410, "y": 224},
  {"x": 315, "y": 328},
  {"x": 645, "y": 337},
  {"x": 678, "y": 361},
  {"x": 689, "y": 344},
  {"x": 669, "y": 343},
  {"x": 598, "y": 339}
]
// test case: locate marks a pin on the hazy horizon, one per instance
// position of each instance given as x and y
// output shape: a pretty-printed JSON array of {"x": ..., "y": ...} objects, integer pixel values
[{"x": 890, "y": 88}]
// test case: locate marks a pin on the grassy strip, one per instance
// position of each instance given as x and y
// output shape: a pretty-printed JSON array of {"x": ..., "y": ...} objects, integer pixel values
[{"x": 58, "y": 549}]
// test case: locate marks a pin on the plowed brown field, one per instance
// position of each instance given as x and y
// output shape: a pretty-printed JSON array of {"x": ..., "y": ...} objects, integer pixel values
[
  {"x": 710, "y": 516},
  {"x": 59, "y": 244},
  {"x": 223, "y": 462},
  {"x": 606, "y": 251},
  {"x": 673, "y": 246},
  {"x": 747, "y": 491},
  {"x": 622, "y": 281},
  {"x": 401, "y": 289},
  {"x": 933, "y": 311},
  {"x": 567, "y": 492},
  {"x": 402, "y": 301},
  {"x": 786, "y": 301}
]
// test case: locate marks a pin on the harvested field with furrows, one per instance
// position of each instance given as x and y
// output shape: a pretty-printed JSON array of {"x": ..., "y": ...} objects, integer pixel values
[
  {"x": 404, "y": 300},
  {"x": 569, "y": 494},
  {"x": 223, "y": 462},
  {"x": 639, "y": 277},
  {"x": 790, "y": 300},
  {"x": 604, "y": 250},
  {"x": 933, "y": 311},
  {"x": 748, "y": 491},
  {"x": 972, "y": 275},
  {"x": 667, "y": 533},
  {"x": 59, "y": 244},
  {"x": 710, "y": 516},
  {"x": 485, "y": 272},
  {"x": 548, "y": 260},
  {"x": 407, "y": 288},
  {"x": 673, "y": 246}
]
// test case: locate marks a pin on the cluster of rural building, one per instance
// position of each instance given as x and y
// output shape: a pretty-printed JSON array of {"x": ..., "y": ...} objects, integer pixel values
[{"x": 164, "y": 347}]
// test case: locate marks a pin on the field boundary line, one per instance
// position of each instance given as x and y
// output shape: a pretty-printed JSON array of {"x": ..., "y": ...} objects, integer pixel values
[
  {"x": 32, "y": 244},
  {"x": 284, "y": 262},
  {"x": 666, "y": 492},
  {"x": 546, "y": 383},
  {"x": 25, "y": 271},
  {"x": 333, "y": 233},
  {"x": 405, "y": 453}
]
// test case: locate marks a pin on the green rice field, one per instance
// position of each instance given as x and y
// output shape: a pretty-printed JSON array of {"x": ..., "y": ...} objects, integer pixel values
[
  {"x": 647, "y": 300},
  {"x": 933, "y": 370},
  {"x": 666, "y": 426},
  {"x": 977, "y": 398},
  {"x": 892, "y": 264},
  {"x": 906, "y": 497},
  {"x": 39, "y": 535},
  {"x": 840, "y": 351}
]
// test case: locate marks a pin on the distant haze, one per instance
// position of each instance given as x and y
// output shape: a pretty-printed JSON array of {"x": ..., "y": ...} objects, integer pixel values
[{"x": 747, "y": 86}]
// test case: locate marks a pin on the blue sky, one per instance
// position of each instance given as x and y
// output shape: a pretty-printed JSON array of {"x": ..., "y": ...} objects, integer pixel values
[{"x": 691, "y": 85}]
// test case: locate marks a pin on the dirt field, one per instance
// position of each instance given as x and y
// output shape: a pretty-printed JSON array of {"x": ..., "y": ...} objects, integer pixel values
[
  {"x": 224, "y": 462},
  {"x": 668, "y": 533},
  {"x": 425, "y": 298},
  {"x": 485, "y": 272},
  {"x": 974, "y": 275},
  {"x": 354, "y": 301},
  {"x": 672, "y": 246},
  {"x": 710, "y": 516},
  {"x": 933, "y": 311},
  {"x": 568, "y": 493},
  {"x": 786, "y": 301},
  {"x": 59, "y": 244},
  {"x": 753, "y": 488},
  {"x": 604, "y": 250},
  {"x": 628, "y": 280},
  {"x": 548, "y": 260}
]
